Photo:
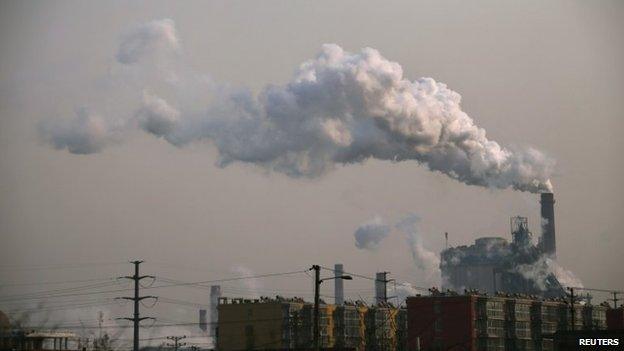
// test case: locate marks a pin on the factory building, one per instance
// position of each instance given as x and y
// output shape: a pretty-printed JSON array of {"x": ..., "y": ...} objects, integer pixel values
[
  {"x": 281, "y": 323},
  {"x": 481, "y": 322},
  {"x": 494, "y": 264}
]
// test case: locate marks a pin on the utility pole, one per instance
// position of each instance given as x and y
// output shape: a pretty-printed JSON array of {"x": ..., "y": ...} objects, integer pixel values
[
  {"x": 317, "y": 287},
  {"x": 136, "y": 319},
  {"x": 571, "y": 308},
  {"x": 175, "y": 340},
  {"x": 615, "y": 299}
]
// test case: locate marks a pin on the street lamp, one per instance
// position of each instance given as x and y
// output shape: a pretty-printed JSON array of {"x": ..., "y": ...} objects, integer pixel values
[{"x": 317, "y": 287}]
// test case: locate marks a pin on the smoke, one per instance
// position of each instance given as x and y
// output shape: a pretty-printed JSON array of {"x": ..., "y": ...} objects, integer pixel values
[
  {"x": 369, "y": 235},
  {"x": 403, "y": 291},
  {"x": 86, "y": 133},
  {"x": 148, "y": 41},
  {"x": 156, "y": 116},
  {"x": 542, "y": 269},
  {"x": 251, "y": 285},
  {"x": 425, "y": 260},
  {"x": 339, "y": 108}
]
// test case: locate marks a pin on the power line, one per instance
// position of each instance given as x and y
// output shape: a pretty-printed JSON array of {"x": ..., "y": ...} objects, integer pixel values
[
  {"x": 64, "y": 307},
  {"x": 65, "y": 292},
  {"x": 200, "y": 283},
  {"x": 174, "y": 283},
  {"x": 76, "y": 265},
  {"x": 53, "y": 283}
]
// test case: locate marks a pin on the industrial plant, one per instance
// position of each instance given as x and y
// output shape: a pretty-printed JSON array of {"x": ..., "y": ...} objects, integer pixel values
[{"x": 493, "y": 264}]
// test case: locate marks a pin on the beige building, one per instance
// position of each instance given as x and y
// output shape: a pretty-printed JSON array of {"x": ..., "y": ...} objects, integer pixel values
[{"x": 266, "y": 323}]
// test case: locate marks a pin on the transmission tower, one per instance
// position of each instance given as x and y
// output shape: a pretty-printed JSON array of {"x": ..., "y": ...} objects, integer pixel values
[{"x": 136, "y": 319}]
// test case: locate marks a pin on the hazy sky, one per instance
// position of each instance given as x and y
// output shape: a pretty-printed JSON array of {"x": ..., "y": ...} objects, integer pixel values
[{"x": 533, "y": 73}]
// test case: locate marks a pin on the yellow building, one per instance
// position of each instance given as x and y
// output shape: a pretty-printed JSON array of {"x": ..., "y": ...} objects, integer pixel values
[{"x": 257, "y": 324}]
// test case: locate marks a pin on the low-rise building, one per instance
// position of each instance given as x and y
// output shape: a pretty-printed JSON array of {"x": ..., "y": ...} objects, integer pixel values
[
  {"x": 475, "y": 321},
  {"x": 615, "y": 318},
  {"x": 280, "y": 323}
]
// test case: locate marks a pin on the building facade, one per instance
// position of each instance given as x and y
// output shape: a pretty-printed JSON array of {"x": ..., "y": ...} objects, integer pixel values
[
  {"x": 282, "y": 324},
  {"x": 615, "y": 318},
  {"x": 449, "y": 321}
]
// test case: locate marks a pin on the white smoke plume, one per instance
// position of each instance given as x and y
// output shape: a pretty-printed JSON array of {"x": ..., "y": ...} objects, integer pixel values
[
  {"x": 369, "y": 235},
  {"x": 425, "y": 260},
  {"x": 339, "y": 108},
  {"x": 86, "y": 133},
  {"x": 403, "y": 291},
  {"x": 545, "y": 267},
  {"x": 148, "y": 41},
  {"x": 251, "y": 285},
  {"x": 156, "y": 116}
]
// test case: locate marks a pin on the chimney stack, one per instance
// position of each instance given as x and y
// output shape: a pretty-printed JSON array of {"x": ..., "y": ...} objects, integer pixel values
[
  {"x": 338, "y": 284},
  {"x": 203, "y": 321},
  {"x": 548, "y": 224},
  {"x": 215, "y": 294},
  {"x": 380, "y": 287}
]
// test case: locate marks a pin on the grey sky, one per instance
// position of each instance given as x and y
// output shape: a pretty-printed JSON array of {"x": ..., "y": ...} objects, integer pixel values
[{"x": 544, "y": 74}]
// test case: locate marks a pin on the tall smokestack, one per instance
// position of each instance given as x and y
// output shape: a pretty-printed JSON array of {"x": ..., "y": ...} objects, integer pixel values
[
  {"x": 203, "y": 321},
  {"x": 380, "y": 286},
  {"x": 338, "y": 284},
  {"x": 548, "y": 224},
  {"x": 215, "y": 294}
]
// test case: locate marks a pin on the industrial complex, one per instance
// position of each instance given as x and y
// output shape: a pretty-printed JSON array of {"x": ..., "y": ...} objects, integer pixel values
[
  {"x": 493, "y": 264},
  {"x": 495, "y": 296}
]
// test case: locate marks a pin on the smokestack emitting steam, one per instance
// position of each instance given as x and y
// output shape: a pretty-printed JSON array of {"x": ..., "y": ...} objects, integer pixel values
[
  {"x": 548, "y": 224},
  {"x": 339, "y": 108},
  {"x": 338, "y": 284}
]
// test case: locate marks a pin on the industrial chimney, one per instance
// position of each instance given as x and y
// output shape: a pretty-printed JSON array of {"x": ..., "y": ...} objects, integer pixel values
[
  {"x": 548, "y": 224},
  {"x": 203, "y": 321},
  {"x": 338, "y": 284},
  {"x": 215, "y": 294},
  {"x": 380, "y": 287}
]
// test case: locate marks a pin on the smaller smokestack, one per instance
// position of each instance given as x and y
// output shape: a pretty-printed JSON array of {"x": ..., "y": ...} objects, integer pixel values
[
  {"x": 548, "y": 241},
  {"x": 203, "y": 322},
  {"x": 338, "y": 284},
  {"x": 380, "y": 287},
  {"x": 215, "y": 294}
]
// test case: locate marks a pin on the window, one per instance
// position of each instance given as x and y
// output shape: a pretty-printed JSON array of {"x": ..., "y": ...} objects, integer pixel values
[{"x": 438, "y": 325}]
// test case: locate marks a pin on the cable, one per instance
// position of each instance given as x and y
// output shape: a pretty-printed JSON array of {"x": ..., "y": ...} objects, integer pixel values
[
  {"x": 182, "y": 283},
  {"x": 371, "y": 278},
  {"x": 58, "y": 266},
  {"x": 178, "y": 283},
  {"x": 58, "y": 292},
  {"x": 52, "y": 283}
]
